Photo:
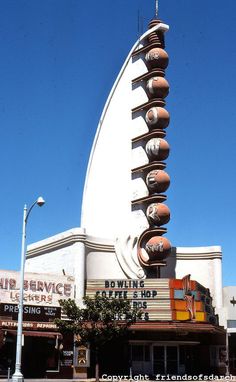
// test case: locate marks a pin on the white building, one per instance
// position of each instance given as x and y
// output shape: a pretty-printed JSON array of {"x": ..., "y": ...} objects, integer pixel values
[{"x": 121, "y": 250}]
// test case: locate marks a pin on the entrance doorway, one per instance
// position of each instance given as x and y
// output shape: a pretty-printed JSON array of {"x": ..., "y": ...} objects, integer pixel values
[
  {"x": 165, "y": 359},
  {"x": 153, "y": 359},
  {"x": 39, "y": 355}
]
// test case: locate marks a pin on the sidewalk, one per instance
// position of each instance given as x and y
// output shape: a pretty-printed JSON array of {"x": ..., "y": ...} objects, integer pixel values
[{"x": 226, "y": 379}]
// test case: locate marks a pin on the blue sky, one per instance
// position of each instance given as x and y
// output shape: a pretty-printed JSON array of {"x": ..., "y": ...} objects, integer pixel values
[{"x": 59, "y": 59}]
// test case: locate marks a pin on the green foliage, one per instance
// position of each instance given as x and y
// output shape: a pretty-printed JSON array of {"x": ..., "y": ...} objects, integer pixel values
[{"x": 100, "y": 320}]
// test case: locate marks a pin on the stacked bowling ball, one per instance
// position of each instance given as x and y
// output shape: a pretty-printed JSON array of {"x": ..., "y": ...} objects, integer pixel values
[{"x": 153, "y": 247}]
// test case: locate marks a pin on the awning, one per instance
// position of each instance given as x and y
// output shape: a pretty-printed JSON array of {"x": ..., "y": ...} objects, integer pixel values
[
  {"x": 36, "y": 333},
  {"x": 177, "y": 327}
]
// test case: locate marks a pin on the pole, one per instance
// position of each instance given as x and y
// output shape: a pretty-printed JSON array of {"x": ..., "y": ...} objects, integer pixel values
[
  {"x": 227, "y": 353},
  {"x": 18, "y": 376}
]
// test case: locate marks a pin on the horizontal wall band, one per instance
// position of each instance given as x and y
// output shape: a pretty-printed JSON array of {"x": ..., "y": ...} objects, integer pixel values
[
  {"x": 46, "y": 246},
  {"x": 69, "y": 238}
]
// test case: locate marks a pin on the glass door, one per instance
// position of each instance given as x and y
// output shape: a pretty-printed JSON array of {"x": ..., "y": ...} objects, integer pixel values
[
  {"x": 165, "y": 359},
  {"x": 171, "y": 360},
  {"x": 159, "y": 360},
  {"x": 140, "y": 359}
]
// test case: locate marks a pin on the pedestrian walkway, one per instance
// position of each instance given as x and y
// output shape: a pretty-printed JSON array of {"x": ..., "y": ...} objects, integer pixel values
[
  {"x": 171, "y": 378},
  {"x": 164, "y": 378}
]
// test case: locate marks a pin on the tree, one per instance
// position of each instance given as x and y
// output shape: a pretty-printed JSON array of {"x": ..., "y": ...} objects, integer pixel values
[{"x": 99, "y": 321}]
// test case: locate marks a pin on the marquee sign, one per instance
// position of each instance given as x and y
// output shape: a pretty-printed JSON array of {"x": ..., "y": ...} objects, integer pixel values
[
  {"x": 153, "y": 296},
  {"x": 39, "y": 289},
  {"x": 160, "y": 299}
]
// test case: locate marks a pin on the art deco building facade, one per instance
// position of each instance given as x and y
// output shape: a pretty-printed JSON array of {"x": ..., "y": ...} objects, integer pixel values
[{"x": 122, "y": 249}]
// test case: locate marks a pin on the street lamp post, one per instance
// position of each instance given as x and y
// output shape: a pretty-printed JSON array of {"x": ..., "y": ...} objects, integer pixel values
[
  {"x": 227, "y": 369},
  {"x": 18, "y": 376}
]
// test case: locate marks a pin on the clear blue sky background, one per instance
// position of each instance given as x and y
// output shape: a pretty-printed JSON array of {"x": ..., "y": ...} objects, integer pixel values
[{"x": 59, "y": 59}]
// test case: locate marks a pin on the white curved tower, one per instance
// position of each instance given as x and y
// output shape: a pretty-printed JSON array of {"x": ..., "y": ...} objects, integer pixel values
[{"x": 109, "y": 188}]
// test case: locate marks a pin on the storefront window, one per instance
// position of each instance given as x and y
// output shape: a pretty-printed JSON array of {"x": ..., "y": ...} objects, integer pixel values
[
  {"x": 146, "y": 353},
  {"x": 137, "y": 352},
  {"x": 141, "y": 353},
  {"x": 171, "y": 359}
]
